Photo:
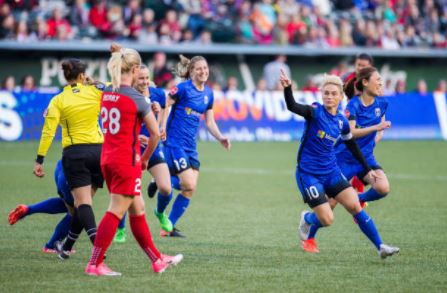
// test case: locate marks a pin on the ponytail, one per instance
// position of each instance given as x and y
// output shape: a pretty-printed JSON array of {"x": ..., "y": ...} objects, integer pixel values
[
  {"x": 185, "y": 66},
  {"x": 349, "y": 89},
  {"x": 122, "y": 61}
]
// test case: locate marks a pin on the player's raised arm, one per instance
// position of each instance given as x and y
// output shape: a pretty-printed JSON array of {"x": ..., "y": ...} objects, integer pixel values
[{"x": 303, "y": 110}]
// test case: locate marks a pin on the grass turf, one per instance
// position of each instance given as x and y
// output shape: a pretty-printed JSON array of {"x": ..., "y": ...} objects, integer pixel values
[{"x": 241, "y": 228}]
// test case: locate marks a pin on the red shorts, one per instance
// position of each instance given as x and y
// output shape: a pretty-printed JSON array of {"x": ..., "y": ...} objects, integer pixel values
[{"x": 122, "y": 179}]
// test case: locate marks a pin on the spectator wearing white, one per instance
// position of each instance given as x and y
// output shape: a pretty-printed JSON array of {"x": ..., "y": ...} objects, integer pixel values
[{"x": 272, "y": 71}]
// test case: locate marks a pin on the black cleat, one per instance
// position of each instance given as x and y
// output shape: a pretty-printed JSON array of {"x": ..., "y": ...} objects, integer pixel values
[
  {"x": 61, "y": 253},
  {"x": 152, "y": 189},
  {"x": 174, "y": 233}
]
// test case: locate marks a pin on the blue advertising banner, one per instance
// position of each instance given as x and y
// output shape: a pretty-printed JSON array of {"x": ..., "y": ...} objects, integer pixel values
[{"x": 246, "y": 116}]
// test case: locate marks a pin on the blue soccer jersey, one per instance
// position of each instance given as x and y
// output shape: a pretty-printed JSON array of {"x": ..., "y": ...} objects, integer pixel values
[
  {"x": 365, "y": 116},
  {"x": 183, "y": 123},
  {"x": 316, "y": 154},
  {"x": 156, "y": 95}
]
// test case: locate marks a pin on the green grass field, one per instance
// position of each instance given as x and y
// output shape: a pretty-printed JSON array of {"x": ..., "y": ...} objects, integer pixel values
[{"x": 241, "y": 229}]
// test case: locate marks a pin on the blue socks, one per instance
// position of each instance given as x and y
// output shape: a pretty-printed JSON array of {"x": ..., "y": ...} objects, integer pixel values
[
  {"x": 122, "y": 223},
  {"x": 178, "y": 208},
  {"x": 60, "y": 232},
  {"x": 370, "y": 195},
  {"x": 175, "y": 182},
  {"x": 368, "y": 228},
  {"x": 312, "y": 219},
  {"x": 54, "y": 205},
  {"x": 163, "y": 201}
]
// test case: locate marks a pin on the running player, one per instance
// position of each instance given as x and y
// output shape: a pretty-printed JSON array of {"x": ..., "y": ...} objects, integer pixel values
[
  {"x": 189, "y": 100},
  {"x": 76, "y": 109},
  {"x": 123, "y": 109},
  {"x": 366, "y": 115},
  {"x": 317, "y": 173},
  {"x": 54, "y": 205}
]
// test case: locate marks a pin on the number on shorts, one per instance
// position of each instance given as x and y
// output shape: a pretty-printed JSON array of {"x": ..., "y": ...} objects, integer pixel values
[
  {"x": 114, "y": 116},
  {"x": 180, "y": 164},
  {"x": 138, "y": 185},
  {"x": 312, "y": 192}
]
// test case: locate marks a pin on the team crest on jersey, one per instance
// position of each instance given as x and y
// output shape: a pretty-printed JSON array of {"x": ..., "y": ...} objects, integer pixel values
[
  {"x": 173, "y": 91},
  {"x": 205, "y": 99},
  {"x": 340, "y": 124},
  {"x": 377, "y": 111}
]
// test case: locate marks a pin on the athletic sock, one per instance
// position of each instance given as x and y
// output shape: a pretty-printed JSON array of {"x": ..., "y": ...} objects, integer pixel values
[
  {"x": 122, "y": 223},
  {"x": 106, "y": 231},
  {"x": 368, "y": 228},
  {"x": 87, "y": 218},
  {"x": 163, "y": 201},
  {"x": 312, "y": 219},
  {"x": 175, "y": 182},
  {"x": 54, "y": 205},
  {"x": 178, "y": 208},
  {"x": 142, "y": 234},
  {"x": 60, "y": 232},
  {"x": 73, "y": 234},
  {"x": 313, "y": 231},
  {"x": 370, "y": 195}
]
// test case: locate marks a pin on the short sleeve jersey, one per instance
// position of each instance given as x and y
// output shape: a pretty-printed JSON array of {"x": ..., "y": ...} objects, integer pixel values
[
  {"x": 155, "y": 95},
  {"x": 316, "y": 154},
  {"x": 365, "y": 116},
  {"x": 183, "y": 123},
  {"x": 122, "y": 113}
]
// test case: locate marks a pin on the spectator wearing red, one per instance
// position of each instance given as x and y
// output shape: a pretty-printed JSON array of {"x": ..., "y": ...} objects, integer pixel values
[
  {"x": 162, "y": 75},
  {"x": 98, "y": 16},
  {"x": 57, "y": 21},
  {"x": 171, "y": 21}
]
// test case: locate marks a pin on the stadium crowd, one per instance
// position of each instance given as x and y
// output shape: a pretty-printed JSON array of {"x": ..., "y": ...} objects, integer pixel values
[{"x": 388, "y": 24}]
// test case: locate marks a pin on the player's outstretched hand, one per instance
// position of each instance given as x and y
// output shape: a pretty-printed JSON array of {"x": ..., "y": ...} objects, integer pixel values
[
  {"x": 38, "y": 170},
  {"x": 284, "y": 79},
  {"x": 383, "y": 125},
  {"x": 226, "y": 143}
]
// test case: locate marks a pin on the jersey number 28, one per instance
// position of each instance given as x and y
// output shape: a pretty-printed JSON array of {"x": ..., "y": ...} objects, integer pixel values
[{"x": 113, "y": 116}]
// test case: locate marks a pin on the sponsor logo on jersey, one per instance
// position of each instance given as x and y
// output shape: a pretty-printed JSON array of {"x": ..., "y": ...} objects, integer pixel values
[
  {"x": 110, "y": 97},
  {"x": 377, "y": 111},
  {"x": 322, "y": 134},
  {"x": 190, "y": 111}
]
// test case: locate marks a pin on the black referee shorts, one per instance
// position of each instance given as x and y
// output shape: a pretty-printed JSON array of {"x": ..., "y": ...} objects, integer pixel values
[{"x": 81, "y": 163}]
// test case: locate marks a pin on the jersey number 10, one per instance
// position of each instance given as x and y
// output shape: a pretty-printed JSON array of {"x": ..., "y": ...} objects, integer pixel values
[{"x": 113, "y": 116}]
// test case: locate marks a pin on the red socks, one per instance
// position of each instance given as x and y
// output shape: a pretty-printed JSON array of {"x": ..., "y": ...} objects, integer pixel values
[
  {"x": 141, "y": 232},
  {"x": 104, "y": 236}
]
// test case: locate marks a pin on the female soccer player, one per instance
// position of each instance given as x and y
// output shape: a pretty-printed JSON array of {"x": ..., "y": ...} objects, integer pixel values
[
  {"x": 54, "y": 205},
  {"x": 76, "y": 109},
  {"x": 157, "y": 166},
  {"x": 317, "y": 173},
  {"x": 123, "y": 110},
  {"x": 189, "y": 100}
]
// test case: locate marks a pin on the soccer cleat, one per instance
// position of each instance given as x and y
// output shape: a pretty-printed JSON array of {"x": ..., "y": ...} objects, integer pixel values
[
  {"x": 304, "y": 227},
  {"x": 310, "y": 245},
  {"x": 18, "y": 213},
  {"x": 100, "y": 270},
  {"x": 49, "y": 250},
  {"x": 174, "y": 233},
  {"x": 120, "y": 236},
  {"x": 61, "y": 253},
  {"x": 172, "y": 260},
  {"x": 152, "y": 189},
  {"x": 386, "y": 250},
  {"x": 165, "y": 223},
  {"x": 160, "y": 266}
]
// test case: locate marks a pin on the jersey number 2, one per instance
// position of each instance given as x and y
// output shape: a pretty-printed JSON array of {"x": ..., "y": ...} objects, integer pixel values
[{"x": 114, "y": 119}]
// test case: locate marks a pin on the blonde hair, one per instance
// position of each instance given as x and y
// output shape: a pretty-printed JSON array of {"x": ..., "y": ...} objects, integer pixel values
[
  {"x": 334, "y": 80},
  {"x": 122, "y": 61},
  {"x": 185, "y": 66}
]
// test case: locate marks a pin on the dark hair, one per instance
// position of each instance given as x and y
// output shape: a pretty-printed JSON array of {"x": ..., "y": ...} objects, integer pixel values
[
  {"x": 363, "y": 74},
  {"x": 185, "y": 66},
  {"x": 365, "y": 56},
  {"x": 72, "y": 67}
]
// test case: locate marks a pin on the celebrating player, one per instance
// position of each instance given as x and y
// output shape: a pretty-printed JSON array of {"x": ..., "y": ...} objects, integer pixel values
[
  {"x": 123, "y": 110},
  {"x": 76, "y": 109},
  {"x": 189, "y": 100},
  {"x": 317, "y": 172}
]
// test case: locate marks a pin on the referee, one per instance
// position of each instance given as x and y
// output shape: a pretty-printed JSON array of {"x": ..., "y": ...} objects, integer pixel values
[{"x": 76, "y": 109}]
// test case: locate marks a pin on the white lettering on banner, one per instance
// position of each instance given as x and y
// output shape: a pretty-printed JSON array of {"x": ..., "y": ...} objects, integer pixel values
[
  {"x": 11, "y": 126},
  {"x": 50, "y": 68}
]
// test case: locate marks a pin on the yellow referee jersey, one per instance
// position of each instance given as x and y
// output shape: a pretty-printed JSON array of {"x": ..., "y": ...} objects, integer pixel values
[{"x": 76, "y": 109}]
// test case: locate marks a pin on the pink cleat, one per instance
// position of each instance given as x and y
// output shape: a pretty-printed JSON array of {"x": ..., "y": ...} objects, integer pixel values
[
  {"x": 16, "y": 214},
  {"x": 100, "y": 270}
]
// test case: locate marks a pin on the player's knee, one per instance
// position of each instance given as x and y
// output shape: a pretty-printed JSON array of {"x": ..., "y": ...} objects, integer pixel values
[
  {"x": 164, "y": 188},
  {"x": 188, "y": 186},
  {"x": 383, "y": 189},
  {"x": 327, "y": 219}
]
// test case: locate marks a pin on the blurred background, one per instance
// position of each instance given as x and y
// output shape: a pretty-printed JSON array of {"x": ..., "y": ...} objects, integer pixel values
[{"x": 245, "y": 42}]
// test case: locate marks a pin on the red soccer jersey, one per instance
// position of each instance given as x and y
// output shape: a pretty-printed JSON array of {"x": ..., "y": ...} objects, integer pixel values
[{"x": 122, "y": 113}]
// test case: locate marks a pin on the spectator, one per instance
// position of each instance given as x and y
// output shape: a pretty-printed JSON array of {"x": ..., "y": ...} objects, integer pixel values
[
  {"x": 22, "y": 31},
  {"x": 98, "y": 16},
  {"x": 149, "y": 35},
  {"x": 136, "y": 26},
  {"x": 261, "y": 85},
  {"x": 310, "y": 86},
  {"x": 171, "y": 27},
  {"x": 7, "y": 28},
  {"x": 401, "y": 87},
  {"x": 79, "y": 14},
  {"x": 421, "y": 87},
  {"x": 28, "y": 83},
  {"x": 232, "y": 84},
  {"x": 132, "y": 9},
  {"x": 205, "y": 38},
  {"x": 442, "y": 86},
  {"x": 272, "y": 70},
  {"x": 9, "y": 83},
  {"x": 58, "y": 23},
  {"x": 161, "y": 74}
]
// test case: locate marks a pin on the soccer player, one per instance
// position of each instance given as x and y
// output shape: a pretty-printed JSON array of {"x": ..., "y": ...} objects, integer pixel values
[
  {"x": 366, "y": 115},
  {"x": 76, "y": 109},
  {"x": 317, "y": 173},
  {"x": 157, "y": 166},
  {"x": 53, "y": 205},
  {"x": 189, "y": 100},
  {"x": 123, "y": 109}
]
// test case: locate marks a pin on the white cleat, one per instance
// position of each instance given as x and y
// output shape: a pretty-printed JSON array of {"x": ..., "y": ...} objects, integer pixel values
[
  {"x": 173, "y": 260},
  {"x": 304, "y": 227},
  {"x": 386, "y": 250}
]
